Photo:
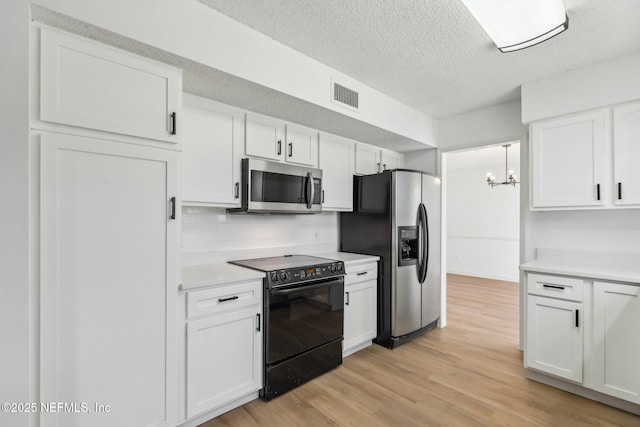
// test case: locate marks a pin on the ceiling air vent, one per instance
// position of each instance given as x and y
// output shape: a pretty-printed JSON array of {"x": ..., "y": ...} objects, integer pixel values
[{"x": 344, "y": 96}]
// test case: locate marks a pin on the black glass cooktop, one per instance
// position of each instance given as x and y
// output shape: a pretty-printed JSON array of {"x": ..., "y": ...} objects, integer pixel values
[{"x": 282, "y": 262}]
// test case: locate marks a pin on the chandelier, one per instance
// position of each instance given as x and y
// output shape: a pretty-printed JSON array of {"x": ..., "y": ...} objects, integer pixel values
[{"x": 509, "y": 176}]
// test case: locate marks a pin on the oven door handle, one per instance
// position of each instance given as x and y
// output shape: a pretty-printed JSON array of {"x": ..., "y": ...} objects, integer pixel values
[{"x": 287, "y": 291}]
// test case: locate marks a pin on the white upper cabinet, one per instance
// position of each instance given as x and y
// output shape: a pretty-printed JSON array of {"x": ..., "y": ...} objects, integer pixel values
[
  {"x": 264, "y": 137},
  {"x": 626, "y": 154},
  {"x": 273, "y": 139},
  {"x": 302, "y": 145},
  {"x": 568, "y": 161},
  {"x": 390, "y": 160},
  {"x": 90, "y": 85},
  {"x": 367, "y": 159},
  {"x": 211, "y": 152},
  {"x": 336, "y": 162},
  {"x": 370, "y": 159}
]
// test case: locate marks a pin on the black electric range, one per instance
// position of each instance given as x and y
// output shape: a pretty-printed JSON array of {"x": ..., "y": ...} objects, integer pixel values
[
  {"x": 303, "y": 319},
  {"x": 288, "y": 269}
]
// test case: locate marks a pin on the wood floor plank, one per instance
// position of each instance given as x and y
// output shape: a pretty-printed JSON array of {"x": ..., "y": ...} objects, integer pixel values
[{"x": 467, "y": 374}]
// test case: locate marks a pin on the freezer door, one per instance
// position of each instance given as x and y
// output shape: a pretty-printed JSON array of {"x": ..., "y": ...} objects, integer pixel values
[
  {"x": 431, "y": 287},
  {"x": 405, "y": 288}
]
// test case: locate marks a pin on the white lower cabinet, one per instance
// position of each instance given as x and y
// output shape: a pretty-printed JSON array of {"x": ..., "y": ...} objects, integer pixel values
[
  {"x": 360, "y": 309},
  {"x": 108, "y": 268},
  {"x": 595, "y": 343},
  {"x": 554, "y": 338},
  {"x": 224, "y": 348},
  {"x": 616, "y": 340}
]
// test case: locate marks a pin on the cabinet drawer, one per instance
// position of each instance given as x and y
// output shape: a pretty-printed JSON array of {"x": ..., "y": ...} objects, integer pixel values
[
  {"x": 567, "y": 288},
  {"x": 360, "y": 273},
  {"x": 223, "y": 298}
]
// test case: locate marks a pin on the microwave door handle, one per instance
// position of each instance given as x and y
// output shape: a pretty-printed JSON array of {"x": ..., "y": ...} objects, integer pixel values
[{"x": 310, "y": 190}]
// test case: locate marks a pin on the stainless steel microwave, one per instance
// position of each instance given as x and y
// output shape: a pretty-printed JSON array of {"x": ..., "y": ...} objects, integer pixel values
[{"x": 270, "y": 187}]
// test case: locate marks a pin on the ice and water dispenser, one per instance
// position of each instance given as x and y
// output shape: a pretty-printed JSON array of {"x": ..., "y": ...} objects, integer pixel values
[{"x": 407, "y": 245}]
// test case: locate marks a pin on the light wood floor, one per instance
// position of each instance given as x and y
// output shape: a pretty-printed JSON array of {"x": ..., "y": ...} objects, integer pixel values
[{"x": 467, "y": 374}]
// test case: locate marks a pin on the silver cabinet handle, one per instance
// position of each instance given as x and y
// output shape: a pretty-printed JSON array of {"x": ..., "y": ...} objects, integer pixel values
[
  {"x": 347, "y": 301},
  {"x": 237, "y": 190},
  {"x": 362, "y": 273}
]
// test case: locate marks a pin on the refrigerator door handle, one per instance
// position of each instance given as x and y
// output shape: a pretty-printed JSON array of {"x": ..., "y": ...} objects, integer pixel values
[{"x": 423, "y": 251}]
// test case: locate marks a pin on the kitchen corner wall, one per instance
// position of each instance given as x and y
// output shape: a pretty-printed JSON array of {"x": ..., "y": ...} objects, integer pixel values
[{"x": 212, "y": 235}]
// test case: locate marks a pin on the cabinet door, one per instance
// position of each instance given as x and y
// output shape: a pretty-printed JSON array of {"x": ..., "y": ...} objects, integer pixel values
[
  {"x": 108, "y": 281},
  {"x": 554, "y": 337},
  {"x": 616, "y": 340},
  {"x": 336, "y": 162},
  {"x": 264, "y": 137},
  {"x": 90, "y": 85},
  {"x": 390, "y": 160},
  {"x": 302, "y": 146},
  {"x": 224, "y": 358},
  {"x": 568, "y": 162},
  {"x": 367, "y": 159},
  {"x": 211, "y": 153},
  {"x": 626, "y": 154},
  {"x": 359, "y": 315}
]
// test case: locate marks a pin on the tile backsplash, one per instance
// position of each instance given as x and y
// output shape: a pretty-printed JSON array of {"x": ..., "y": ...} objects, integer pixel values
[{"x": 212, "y": 235}]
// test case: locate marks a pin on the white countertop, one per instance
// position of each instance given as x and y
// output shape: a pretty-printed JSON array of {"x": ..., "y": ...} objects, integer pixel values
[
  {"x": 197, "y": 276},
  {"x": 220, "y": 273},
  {"x": 349, "y": 258},
  {"x": 599, "y": 266}
]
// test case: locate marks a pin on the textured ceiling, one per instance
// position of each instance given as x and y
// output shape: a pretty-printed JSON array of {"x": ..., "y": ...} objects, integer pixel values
[{"x": 432, "y": 54}]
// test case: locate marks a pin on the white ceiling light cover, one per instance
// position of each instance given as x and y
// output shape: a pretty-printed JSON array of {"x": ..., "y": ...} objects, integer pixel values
[{"x": 517, "y": 24}]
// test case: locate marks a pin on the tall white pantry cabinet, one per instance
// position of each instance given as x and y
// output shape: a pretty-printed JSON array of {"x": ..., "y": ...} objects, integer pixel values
[{"x": 105, "y": 122}]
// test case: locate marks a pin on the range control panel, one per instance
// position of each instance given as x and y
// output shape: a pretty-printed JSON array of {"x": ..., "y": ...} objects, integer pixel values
[{"x": 301, "y": 274}]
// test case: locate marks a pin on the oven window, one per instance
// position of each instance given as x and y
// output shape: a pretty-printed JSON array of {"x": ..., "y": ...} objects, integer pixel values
[{"x": 302, "y": 319}]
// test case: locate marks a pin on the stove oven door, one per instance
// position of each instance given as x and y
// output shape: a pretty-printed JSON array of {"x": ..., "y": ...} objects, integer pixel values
[{"x": 302, "y": 317}]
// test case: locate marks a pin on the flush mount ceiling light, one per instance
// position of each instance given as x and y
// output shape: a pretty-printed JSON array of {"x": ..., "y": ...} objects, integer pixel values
[{"x": 518, "y": 24}]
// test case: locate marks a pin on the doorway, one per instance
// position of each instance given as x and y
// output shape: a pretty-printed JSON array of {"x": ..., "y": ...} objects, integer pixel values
[{"x": 481, "y": 223}]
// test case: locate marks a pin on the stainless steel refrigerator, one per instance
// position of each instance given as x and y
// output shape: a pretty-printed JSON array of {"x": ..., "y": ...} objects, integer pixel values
[{"x": 397, "y": 217}]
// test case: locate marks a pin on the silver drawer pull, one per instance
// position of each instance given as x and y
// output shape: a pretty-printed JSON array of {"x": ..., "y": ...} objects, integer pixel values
[
  {"x": 228, "y": 299},
  {"x": 362, "y": 273},
  {"x": 559, "y": 287}
]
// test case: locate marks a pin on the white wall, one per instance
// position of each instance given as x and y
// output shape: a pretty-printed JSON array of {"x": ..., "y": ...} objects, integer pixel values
[
  {"x": 210, "y": 235},
  {"x": 423, "y": 160},
  {"x": 485, "y": 126},
  {"x": 15, "y": 331},
  {"x": 609, "y": 82},
  {"x": 483, "y": 223},
  {"x": 196, "y": 32}
]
